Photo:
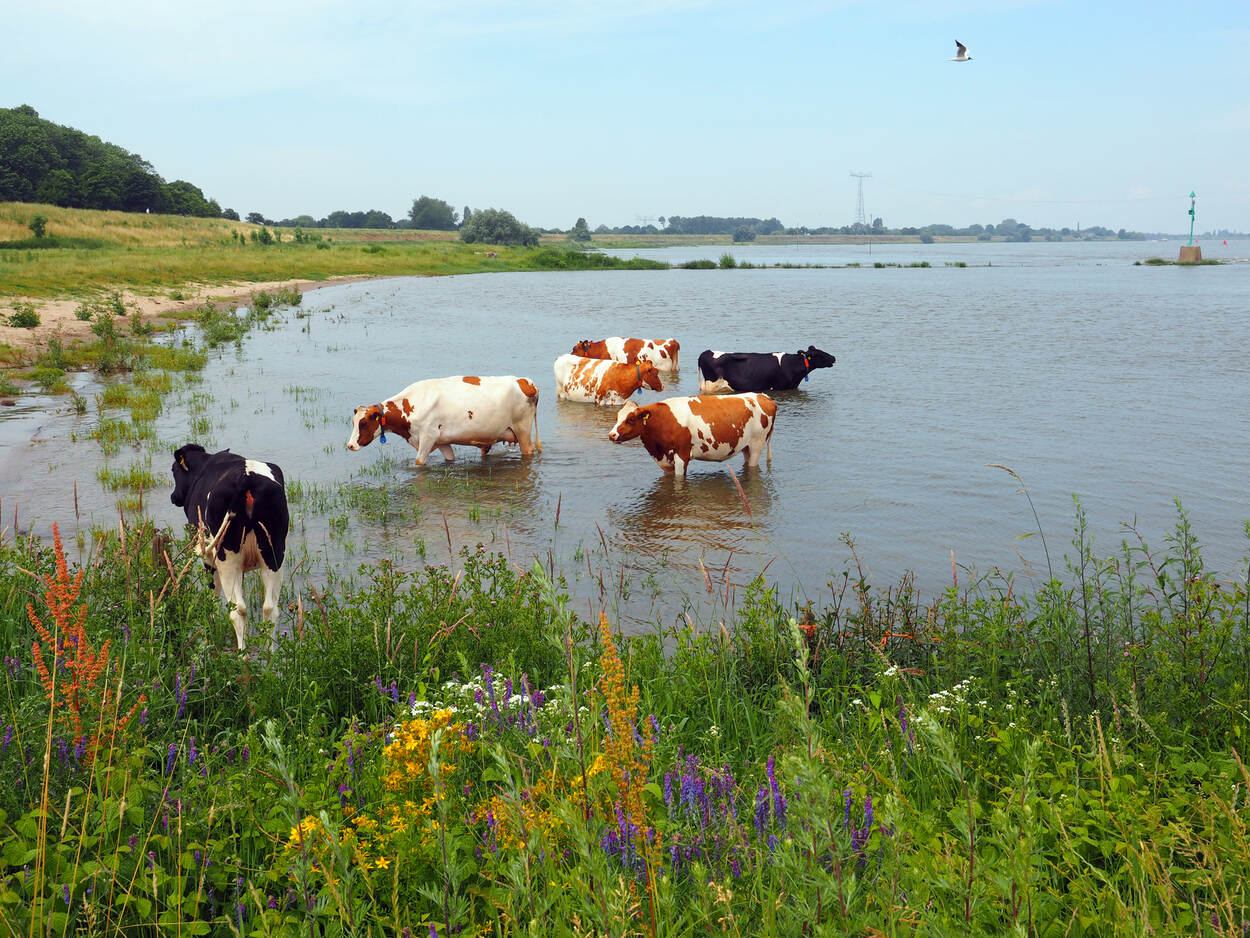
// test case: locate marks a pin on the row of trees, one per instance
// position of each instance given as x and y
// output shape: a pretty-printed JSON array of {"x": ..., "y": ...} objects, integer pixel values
[
  {"x": 748, "y": 229},
  {"x": 45, "y": 162},
  {"x": 427, "y": 214}
]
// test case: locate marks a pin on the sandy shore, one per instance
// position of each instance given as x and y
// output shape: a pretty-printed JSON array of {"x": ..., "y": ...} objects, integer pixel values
[{"x": 57, "y": 317}]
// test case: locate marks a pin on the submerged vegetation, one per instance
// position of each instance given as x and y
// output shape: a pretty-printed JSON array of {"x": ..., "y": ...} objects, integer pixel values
[{"x": 434, "y": 751}]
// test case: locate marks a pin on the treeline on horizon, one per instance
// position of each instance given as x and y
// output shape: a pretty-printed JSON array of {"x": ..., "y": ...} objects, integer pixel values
[{"x": 48, "y": 163}]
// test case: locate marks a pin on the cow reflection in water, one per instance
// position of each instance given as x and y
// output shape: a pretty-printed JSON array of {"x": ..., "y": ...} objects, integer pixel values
[
  {"x": 495, "y": 502},
  {"x": 700, "y": 516}
]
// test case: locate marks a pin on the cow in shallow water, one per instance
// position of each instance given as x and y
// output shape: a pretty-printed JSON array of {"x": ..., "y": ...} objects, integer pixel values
[
  {"x": 239, "y": 510},
  {"x": 759, "y": 371},
  {"x": 678, "y": 430},
  {"x": 598, "y": 381},
  {"x": 660, "y": 352},
  {"x": 465, "y": 410}
]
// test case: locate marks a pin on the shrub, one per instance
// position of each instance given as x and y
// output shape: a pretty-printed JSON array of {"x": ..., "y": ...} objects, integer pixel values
[
  {"x": 494, "y": 226},
  {"x": 727, "y": 261},
  {"x": 38, "y": 226},
  {"x": 24, "y": 316}
]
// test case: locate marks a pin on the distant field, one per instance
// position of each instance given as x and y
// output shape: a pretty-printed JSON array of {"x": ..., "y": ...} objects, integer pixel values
[{"x": 156, "y": 253}]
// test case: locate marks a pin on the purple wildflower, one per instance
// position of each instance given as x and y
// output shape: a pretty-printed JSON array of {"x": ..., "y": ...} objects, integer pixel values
[
  {"x": 65, "y": 893},
  {"x": 180, "y": 695},
  {"x": 761, "y": 809},
  {"x": 170, "y": 757},
  {"x": 191, "y": 753}
]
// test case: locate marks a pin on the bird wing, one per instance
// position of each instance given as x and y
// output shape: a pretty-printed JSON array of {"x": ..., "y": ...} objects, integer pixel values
[{"x": 960, "y": 48}]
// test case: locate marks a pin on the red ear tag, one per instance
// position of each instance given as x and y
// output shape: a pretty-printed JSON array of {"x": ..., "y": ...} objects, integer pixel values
[{"x": 808, "y": 366}]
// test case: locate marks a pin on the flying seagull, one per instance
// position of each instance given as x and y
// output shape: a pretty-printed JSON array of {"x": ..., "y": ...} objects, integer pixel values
[{"x": 961, "y": 53}]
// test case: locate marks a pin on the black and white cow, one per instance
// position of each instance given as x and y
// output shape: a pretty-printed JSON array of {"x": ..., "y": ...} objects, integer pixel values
[
  {"x": 238, "y": 507},
  {"x": 758, "y": 371}
]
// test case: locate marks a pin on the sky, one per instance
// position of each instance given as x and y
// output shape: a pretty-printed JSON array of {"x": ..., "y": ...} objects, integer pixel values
[{"x": 1069, "y": 114}]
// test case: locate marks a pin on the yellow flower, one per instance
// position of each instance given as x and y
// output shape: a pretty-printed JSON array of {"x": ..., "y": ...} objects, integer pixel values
[{"x": 382, "y": 863}]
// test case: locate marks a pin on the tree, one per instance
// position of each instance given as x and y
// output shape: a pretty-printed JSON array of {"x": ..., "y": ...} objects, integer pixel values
[
  {"x": 743, "y": 233},
  {"x": 465, "y": 217},
  {"x": 375, "y": 219},
  {"x": 877, "y": 225},
  {"x": 255, "y": 218},
  {"x": 230, "y": 213},
  {"x": 431, "y": 214},
  {"x": 580, "y": 231},
  {"x": 59, "y": 187},
  {"x": 38, "y": 226},
  {"x": 495, "y": 226}
]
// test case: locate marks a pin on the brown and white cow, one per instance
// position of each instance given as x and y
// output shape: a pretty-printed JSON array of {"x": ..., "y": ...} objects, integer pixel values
[
  {"x": 660, "y": 352},
  {"x": 599, "y": 381},
  {"x": 464, "y": 410},
  {"x": 678, "y": 430}
]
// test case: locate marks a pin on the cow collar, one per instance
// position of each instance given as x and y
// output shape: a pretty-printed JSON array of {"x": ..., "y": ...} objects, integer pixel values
[
  {"x": 807, "y": 369},
  {"x": 382, "y": 425},
  {"x": 638, "y": 368}
]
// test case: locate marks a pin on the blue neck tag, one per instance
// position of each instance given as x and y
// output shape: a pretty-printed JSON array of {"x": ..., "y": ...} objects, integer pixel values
[{"x": 638, "y": 367}]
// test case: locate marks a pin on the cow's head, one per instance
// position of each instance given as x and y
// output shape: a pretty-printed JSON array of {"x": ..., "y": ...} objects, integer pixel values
[
  {"x": 649, "y": 375},
  {"x": 187, "y": 462},
  {"x": 630, "y": 420},
  {"x": 582, "y": 348},
  {"x": 816, "y": 358},
  {"x": 367, "y": 422}
]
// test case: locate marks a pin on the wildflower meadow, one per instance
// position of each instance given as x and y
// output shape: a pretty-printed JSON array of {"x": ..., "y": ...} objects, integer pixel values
[{"x": 433, "y": 750}]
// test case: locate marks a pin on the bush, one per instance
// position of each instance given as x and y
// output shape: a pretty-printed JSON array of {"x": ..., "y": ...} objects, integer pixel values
[
  {"x": 24, "y": 316},
  {"x": 38, "y": 226},
  {"x": 727, "y": 261},
  {"x": 494, "y": 226}
]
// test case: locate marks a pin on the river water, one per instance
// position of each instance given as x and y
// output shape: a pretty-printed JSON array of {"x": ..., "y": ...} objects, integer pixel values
[{"x": 1125, "y": 386}]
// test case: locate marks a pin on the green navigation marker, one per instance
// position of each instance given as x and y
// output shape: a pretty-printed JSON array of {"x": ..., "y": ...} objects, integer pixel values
[{"x": 1192, "y": 197}]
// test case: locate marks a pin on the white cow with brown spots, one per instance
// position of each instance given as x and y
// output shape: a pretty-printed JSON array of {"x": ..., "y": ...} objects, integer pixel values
[
  {"x": 599, "y": 381},
  {"x": 465, "y": 410},
  {"x": 660, "y": 352},
  {"x": 679, "y": 430}
]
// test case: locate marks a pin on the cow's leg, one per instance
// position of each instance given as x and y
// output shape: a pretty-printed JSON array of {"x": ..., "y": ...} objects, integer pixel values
[
  {"x": 424, "y": 445},
  {"x": 449, "y": 454},
  {"x": 273, "y": 588},
  {"x": 230, "y": 572},
  {"x": 485, "y": 449}
]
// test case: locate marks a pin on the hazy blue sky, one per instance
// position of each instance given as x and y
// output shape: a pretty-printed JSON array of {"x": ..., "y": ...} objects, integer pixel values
[{"x": 1070, "y": 112}]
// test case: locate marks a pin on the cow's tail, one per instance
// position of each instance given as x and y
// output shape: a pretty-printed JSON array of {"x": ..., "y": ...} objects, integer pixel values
[{"x": 538, "y": 444}]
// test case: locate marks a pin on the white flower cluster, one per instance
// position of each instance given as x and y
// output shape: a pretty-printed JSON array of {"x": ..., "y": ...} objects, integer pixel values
[
  {"x": 471, "y": 700},
  {"x": 944, "y": 701}
]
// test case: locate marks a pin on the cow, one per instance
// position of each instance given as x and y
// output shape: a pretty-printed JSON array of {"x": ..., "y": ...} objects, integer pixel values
[
  {"x": 465, "y": 410},
  {"x": 239, "y": 510},
  {"x": 758, "y": 371},
  {"x": 660, "y": 352},
  {"x": 598, "y": 381},
  {"x": 677, "y": 430}
]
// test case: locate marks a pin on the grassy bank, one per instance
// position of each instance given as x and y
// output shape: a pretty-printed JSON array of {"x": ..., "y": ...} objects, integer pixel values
[{"x": 451, "y": 751}]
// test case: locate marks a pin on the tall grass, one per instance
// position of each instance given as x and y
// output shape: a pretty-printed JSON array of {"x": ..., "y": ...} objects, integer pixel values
[{"x": 453, "y": 750}]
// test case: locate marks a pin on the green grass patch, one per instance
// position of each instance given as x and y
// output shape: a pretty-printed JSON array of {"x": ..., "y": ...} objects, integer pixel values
[
  {"x": 451, "y": 747},
  {"x": 132, "y": 478}
]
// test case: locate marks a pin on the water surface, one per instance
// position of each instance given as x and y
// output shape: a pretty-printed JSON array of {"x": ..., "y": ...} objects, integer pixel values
[{"x": 1124, "y": 386}]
